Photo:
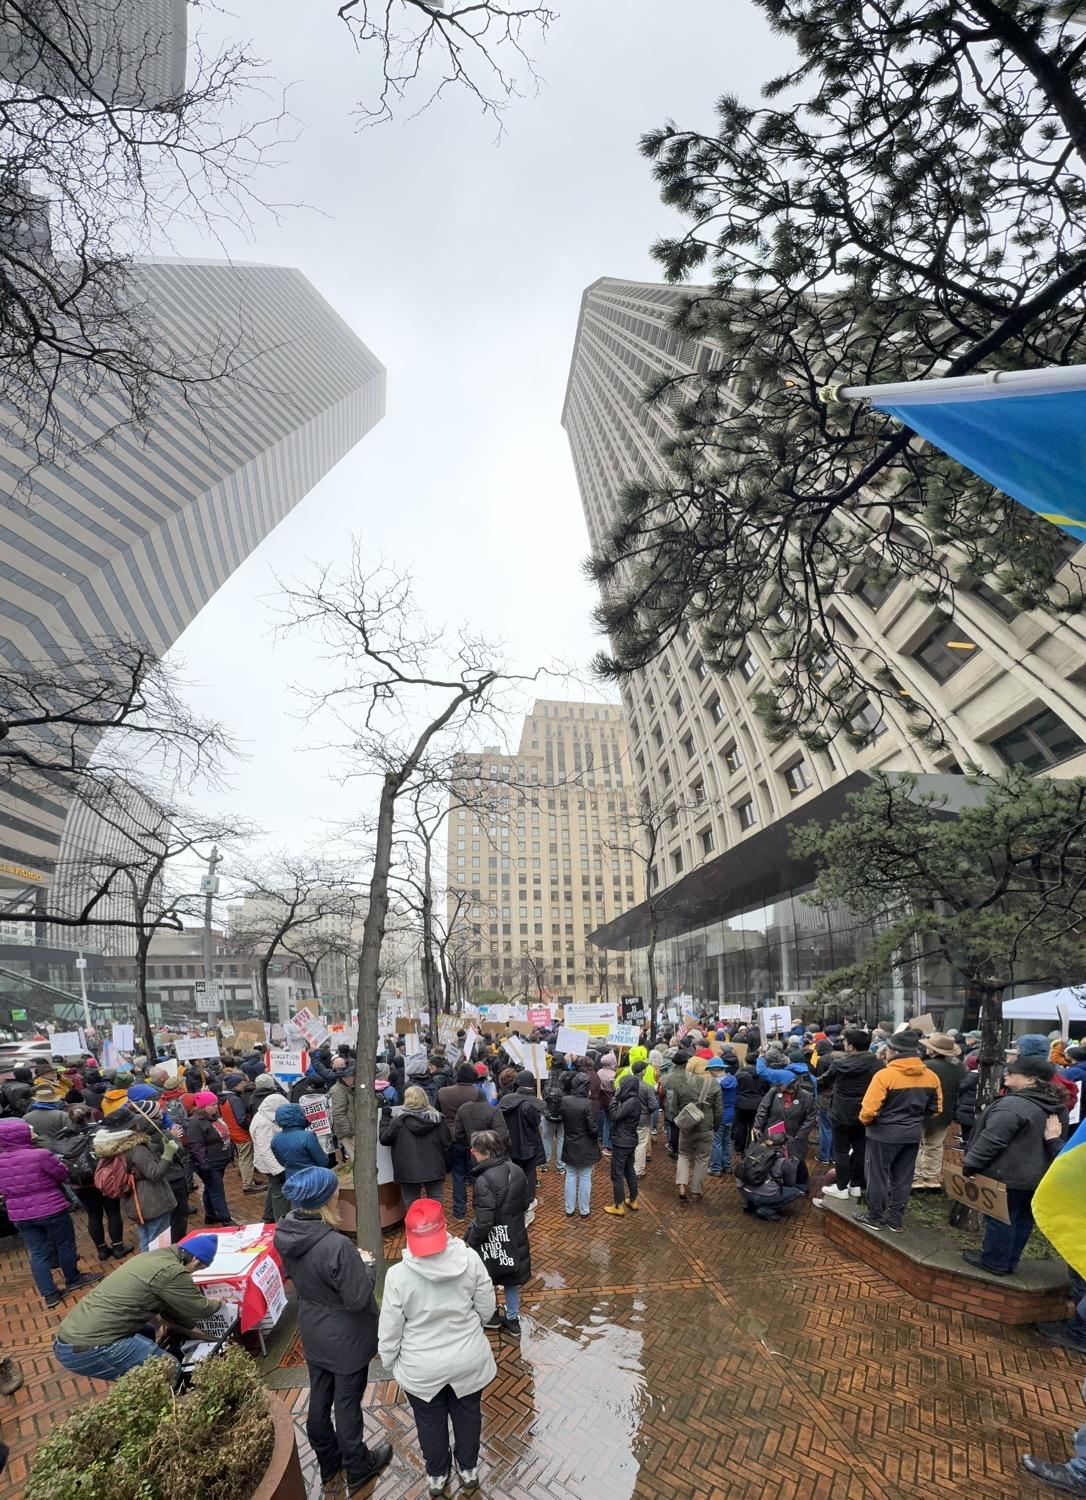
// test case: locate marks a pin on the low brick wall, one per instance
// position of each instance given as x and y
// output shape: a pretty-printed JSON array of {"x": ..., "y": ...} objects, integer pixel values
[{"x": 992, "y": 1299}]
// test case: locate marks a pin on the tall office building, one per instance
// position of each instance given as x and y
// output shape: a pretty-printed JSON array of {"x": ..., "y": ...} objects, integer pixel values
[
  {"x": 132, "y": 52},
  {"x": 1009, "y": 689},
  {"x": 132, "y": 534},
  {"x": 535, "y": 843}
]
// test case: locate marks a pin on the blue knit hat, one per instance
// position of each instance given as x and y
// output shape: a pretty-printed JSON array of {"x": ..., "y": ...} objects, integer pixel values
[
  {"x": 310, "y": 1187},
  {"x": 202, "y": 1247},
  {"x": 1033, "y": 1044},
  {"x": 142, "y": 1091}
]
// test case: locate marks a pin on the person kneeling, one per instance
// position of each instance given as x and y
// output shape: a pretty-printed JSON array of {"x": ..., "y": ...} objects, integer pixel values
[{"x": 767, "y": 1179}]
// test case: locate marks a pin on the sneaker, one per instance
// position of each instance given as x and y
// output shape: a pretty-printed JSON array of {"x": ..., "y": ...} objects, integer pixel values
[
  {"x": 619, "y": 1210},
  {"x": 377, "y": 1459},
  {"x": 832, "y": 1191},
  {"x": 817, "y": 1203},
  {"x": 975, "y": 1258},
  {"x": 53, "y": 1299},
  {"x": 252, "y": 1189},
  {"x": 867, "y": 1219},
  {"x": 469, "y": 1478},
  {"x": 895, "y": 1228},
  {"x": 512, "y": 1326},
  {"x": 633, "y": 1205},
  {"x": 494, "y": 1321},
  {"x": 855, "y": 1192},
  {"x": 120, "y": 1251},
  {"x": 104, "y": 1252},
  {"x": 533, "y": 1205},
  {"x": 437, "y": 1484},
  {"x": 1057, "y": 1475},
  {"x": 82, "y": 1280},
  {"x": 11, "y": 1377}
]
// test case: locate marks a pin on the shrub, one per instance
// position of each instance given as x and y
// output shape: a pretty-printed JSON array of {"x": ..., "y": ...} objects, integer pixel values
[{"x": 141, "y": 1442}]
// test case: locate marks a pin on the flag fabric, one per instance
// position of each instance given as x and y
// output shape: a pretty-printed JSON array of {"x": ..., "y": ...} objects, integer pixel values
[
  {"x": 1029, "y": 443},
  {"x": 1059, "y": 1204}
]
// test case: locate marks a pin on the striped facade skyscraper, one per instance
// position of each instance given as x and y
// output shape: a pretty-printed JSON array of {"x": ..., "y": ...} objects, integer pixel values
[{"x": 132, "y": 534}]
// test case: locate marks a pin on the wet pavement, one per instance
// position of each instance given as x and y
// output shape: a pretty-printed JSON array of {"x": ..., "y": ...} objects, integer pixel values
[{"x": 689, "y": 1352}]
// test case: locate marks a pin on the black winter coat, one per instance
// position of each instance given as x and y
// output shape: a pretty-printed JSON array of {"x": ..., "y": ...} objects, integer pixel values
[
  {"x": 847, "y": 1077},
  {"x": 750, "y": 1090},
  {"x": 522, "y": 1114},
  {"x": 625, "y": 1112},
  {"x": 206, "y": 1144},
  {"x": 336, "y": 1311},
  {"x": 965, "y": 1105},
  {"x": 580, "y": 1118},
  {"x": 950, "y": 1073},
  {"x": 477, "y": 1114},
  {"x": 1009, "y": 1142},
  {"x": 421, "y": 1145},
  {"x": 798, "y": 1119},
  {"x": 500, "y": 1198}
]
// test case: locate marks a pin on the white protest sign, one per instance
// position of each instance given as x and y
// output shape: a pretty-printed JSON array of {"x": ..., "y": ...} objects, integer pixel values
[
  {"x": 729, "y": 1012},
  {"x": 774, "y": 1020},
  {"x": 498, "y": 1012},
  {"x": 311, "y": 1027},
  {"x": 535, "y": 1059},
  {"x": 746, "y": 1013},
  {"x": 446, "y": 1032},
  {"x": 623, "y": 1036},
  {"x": 190, "y": 1047},
  {"x": 518, "y": 1013},
  {"x": 515, "y": 1050},
  {"x": 316, "y": 1110},
  {"x": 1063, "y": 1012},
  {"x": 67, "y": 1043},
  {"x": 590, "y": 1015},
  {"x": 284, "y": 1064},
  {"x": 571, "y": 1041},
  {"x": 411, "y": 1043},
  {"x": 124, "y": 1037},
  {"x": 470, "y": 1042},
  {"x": 266, "y": 1277}
]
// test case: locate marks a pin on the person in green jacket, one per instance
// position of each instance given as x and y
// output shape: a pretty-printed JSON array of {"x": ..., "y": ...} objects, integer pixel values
[{"x": 105, "y": 1334}]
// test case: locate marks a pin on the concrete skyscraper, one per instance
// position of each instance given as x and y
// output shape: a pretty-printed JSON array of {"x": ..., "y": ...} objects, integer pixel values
[{"x": 1009, "y": 688}]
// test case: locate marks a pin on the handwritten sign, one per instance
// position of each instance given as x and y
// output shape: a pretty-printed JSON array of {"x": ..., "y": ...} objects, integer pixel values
[
  {"x": 124, "y": 1037},
  {"x": 405, "y": 1024},
  {"x": 284, "y": 1063},
  {"x": 540, "y": 1017},
  {"x": 190, "y": 1048},
  {"x": 984, "y": 1195},
  {"x": 315, "y": 1108},
  {"x": 67, "y": 1043},
  {"x": 311, "y": 1027},
  {"x": 623, "y": 1036},
  {"x": 774, "y": 1020},
  {"x": 571, "y": 1041},
  {"x": 470, "y": 1043}
]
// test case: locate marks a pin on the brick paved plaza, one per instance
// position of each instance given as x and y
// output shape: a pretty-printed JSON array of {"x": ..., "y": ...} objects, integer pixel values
[{"x": 689, "y": 1353}]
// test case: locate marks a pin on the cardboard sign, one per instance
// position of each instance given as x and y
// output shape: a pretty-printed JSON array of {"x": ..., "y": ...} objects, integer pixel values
[
  {"x": 124, "y": 1037},
  {"x": 67, "y": 1043},
  {"x": 515, "y": 1050},
  {"x": 775, "y": 1020},
  {"x": 623, "y": 1036},
  {"x": 311, "y": 1027},
  {"x": 252, "y": 1033},
  {"x": 740, "y": 1049},
  {"x": 446, "y": 1032},
  {"x": 540, "y": 1017},
  {"x": 403, "y": 1024},
  {"x": 982, "y": 1194},
  {"x": 470, "y": 1043},
  {"x": 924, "y": 1024},
  {"x": 535, "y": 1059},
  {"x": 190, "y": 1048},
  {"x": 284, "y": 1064},
  {"x": 571, "y": 1041}
]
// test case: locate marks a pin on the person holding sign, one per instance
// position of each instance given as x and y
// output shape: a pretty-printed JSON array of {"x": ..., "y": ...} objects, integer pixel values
[{"x": 1018, "y": 1137}]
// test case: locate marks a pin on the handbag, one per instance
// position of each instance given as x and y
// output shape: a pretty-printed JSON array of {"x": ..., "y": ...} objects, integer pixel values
[{"x": 692, "y": 1115}]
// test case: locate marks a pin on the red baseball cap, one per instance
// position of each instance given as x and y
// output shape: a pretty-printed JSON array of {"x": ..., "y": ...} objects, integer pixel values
[
  {"x": 481, "y": 1070},
  {"x": 425, "y": 1226}
]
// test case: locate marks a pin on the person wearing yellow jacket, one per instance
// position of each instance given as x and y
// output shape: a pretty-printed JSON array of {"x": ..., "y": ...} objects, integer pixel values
[
  {"x": 638, "y": 1054},
  {"x": 899, "y": 1101}
]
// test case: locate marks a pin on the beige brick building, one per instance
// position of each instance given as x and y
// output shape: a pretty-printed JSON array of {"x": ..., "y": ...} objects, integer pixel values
[{"x": 535, "y": 843}]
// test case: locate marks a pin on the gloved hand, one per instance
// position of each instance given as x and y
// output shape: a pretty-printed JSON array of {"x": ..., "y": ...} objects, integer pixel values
[{"x": 170, "y": 1150}]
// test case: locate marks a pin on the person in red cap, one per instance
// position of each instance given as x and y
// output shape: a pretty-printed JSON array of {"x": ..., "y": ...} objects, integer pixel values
[{"x": 430, "y": 1336}]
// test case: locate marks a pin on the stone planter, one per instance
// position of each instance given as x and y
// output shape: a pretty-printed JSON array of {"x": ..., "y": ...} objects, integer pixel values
[
  {"x": 924, "y": 1264},
  {"x": 283, "y": 1478},
  {"x": 391, "y": 1204}
]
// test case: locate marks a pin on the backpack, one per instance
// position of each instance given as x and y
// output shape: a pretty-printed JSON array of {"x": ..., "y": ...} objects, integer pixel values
[
  {"x": 552, "y": 1102},
  {"x": 757, "y": 1164},
  {"x": 76, "y": 1152},
  {"x": 111, "y": 1177}
]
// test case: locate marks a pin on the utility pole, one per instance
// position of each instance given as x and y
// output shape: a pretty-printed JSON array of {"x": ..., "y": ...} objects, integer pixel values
[
  {"x": 210, "y": 886},
  {"x": 81, "y": 965}
]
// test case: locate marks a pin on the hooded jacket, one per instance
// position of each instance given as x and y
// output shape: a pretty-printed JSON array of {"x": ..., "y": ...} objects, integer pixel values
[
  {"x": 152, "y": 1283},
  {"x": 638, "y": 1054},
  {"x": 149, "y": 1194},
  {"x": 210, "y": 1151},
  {"x": 114, "y": 1099},
  {"x": 336, "y": 1311},
  {"x": 341, "y": 1101},
  {"x": 749, "y": 1090},
  {"x": 478, "y": 1115},
  {"x": 30, "y": 1175},
  {"x": 295, "y": 1146},
  {"x": 1009, "y": 1142},
  {"x": 501, "y": 1200},
  {"x": 522, "y": 1114},
  {"x": 625, "y": 1112},
  {"x": 900, "y": 1100},
  {"x": 47, "y": 1121},
  {"x": 950, "y": 1073},
  {"x": 688, "y": 1088},
  {"x": 430, "y": 1332},
  {"x": 798, "y": 1117},
  {"x": 580, "y": 1120},
  {"x": 729, "y": 1092},
  {"x": 421, "y": 1145},
  {"x": 262, "y": 1128},
  {"x": 846, "y": 1081}
]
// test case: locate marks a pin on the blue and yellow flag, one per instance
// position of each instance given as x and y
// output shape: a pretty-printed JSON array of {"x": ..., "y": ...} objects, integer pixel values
[{"x": 1059, "y": 1204}]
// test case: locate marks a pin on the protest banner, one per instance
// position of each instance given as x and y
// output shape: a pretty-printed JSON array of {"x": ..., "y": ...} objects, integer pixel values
[
  {"x": 774, "y": 1020},
  {"x": 590, "y": 1015},
  {"x": 123, "y": 1037},
  {"x": 193, "y": 1048},
  {"x": 311, "y": 1027},
  {"x": 285, "y": 1064},
  {"x": 623, "y": 1036},
  {"x": 729, "y": 1012},
  {"x": 67, "y": 1043},
  {"x": 316, "y": 1110},
  {"x": 924, "y": 1024},
  {"x": 412, "y": 1043},
  {"x": 446, "y": 1030},
  {"x": 740, "y": 1050},
  {"x": 539, "y": 1016},
  {"x": 572, "y": 1041},
  {"x": 984, "y": 1195}
]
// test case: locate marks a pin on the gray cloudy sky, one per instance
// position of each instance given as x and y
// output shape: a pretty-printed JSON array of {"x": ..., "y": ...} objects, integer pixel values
[{"x": 461, "y": 264}]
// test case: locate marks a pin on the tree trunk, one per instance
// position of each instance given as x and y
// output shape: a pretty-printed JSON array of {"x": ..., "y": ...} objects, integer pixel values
[
  {"x": 265, "y": 998},
  {"x": 368, "y": 1233},
  {"x": 650, "y": 963},
  {"x": 429, "y": 967},
  {"x": 145, "y": 1028},
  {"x": 991, "y": 1044}
]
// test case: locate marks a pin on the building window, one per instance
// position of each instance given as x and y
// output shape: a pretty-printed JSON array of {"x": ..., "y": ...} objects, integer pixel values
[
  {"x": 677, "y": 861},
  {"x": 677, "y": 704},
  {"x": 1042, "y": 741},
  {"x": 684, "y": 633},
  {"x": 947, "y": 648},
  {"x": 716, "y": 710},
  {"x": 995, "y": 600},
  {"x": 868, "y": 721},
  {"x": 746, "y": 812},
  {"x": 708, "y": 844},
  {"x": 697, "y": 791},
  {"x": 732, "y": 756},
  {"x": 747, "y": 665},
  {"x": 873, "y": 594},
  {"x": 701, "y": 671},
  {"x": 796, "y": 778},
  {"x": 688, "y": 746},
  {"x": 658, "y": 736}
]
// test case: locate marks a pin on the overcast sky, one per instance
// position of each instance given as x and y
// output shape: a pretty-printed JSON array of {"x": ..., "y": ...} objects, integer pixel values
[{"x": 461, "y": 264}]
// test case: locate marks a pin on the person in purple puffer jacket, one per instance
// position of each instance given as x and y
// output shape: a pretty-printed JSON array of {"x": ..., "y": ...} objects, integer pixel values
[{"x": 30, "y": 1178}]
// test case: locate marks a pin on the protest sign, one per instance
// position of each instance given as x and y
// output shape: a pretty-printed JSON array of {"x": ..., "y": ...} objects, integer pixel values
[
  {"x": 740, "y": 1050},
  {"x": 623, "y": 1036},
  {"x": 412, "y": 1043},
  {"x": 572, "y": 1041},
  {"x": 535, "y": 1059},
  {"x": 728, "y": 1012},
  {"x": 124, "y": 1037},
  {"x": 498, "y": 1012},
  {"x": 285, "y": 1064},
  {"x": 470, "y": 1042},
  {"x": 590, "y": 1015},
  {"x": 924, "y": 1024},
  {"x": 190, "y": 1048},
  {"x": 539, "y": 1016},
  {"x": 252, "y": 1033},
  {"x": 774, "y": 1020},
  {"x": 317, "y": 1112},
  {"x": 266, "y": 1275},
  {"x": 446, "y": 1031},
  {"x": 403, "y": 1024},
  {"x": 311, "y": 1027},
  {"x": 515, "y": 1050},
  {"x": 982, "y": 1194},
  {"x": 67, "y": 1043}
]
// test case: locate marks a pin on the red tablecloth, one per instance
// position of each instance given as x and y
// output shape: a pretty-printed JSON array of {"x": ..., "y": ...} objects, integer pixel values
[{"x": 242, "y": 1288}]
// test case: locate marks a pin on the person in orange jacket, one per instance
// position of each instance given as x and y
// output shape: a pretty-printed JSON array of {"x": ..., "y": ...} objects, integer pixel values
[{"x": 898, "y": 1101}]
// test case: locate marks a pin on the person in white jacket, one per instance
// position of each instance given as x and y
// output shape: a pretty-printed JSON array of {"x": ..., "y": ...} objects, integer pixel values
[
  {"x": 267, "y": 1097},
  {"x": 430, "y": 1336}
]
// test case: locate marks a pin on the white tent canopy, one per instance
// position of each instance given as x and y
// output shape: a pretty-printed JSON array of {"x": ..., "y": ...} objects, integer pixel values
[{"x": 1043, "y": 1007}]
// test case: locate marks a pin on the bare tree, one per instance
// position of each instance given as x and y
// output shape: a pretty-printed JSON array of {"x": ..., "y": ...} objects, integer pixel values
[
  {"x": 428, "y": 46},
  {"x": 404, "y": 685},
  {"x": 295, "y": 897},
  {"x": 104, "y": 147}
]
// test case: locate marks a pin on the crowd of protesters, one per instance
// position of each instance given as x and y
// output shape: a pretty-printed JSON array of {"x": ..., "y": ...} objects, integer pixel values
[{"x": 144, "y": 1149}]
